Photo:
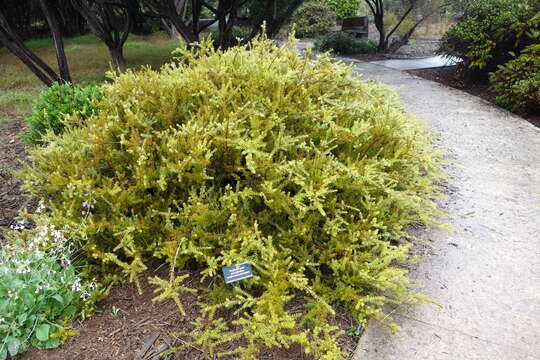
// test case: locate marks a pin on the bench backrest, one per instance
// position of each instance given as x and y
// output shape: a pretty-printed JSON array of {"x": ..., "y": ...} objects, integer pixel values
[{"x": 356, "y": 23}]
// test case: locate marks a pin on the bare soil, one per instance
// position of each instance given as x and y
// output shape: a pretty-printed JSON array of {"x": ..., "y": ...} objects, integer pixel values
[{"x": 130, "y": 326}]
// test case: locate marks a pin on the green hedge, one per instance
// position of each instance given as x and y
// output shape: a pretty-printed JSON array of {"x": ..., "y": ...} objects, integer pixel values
[
  {"x": 53, "y": 104},
  {"x": 490, "y": 31},
  {"x": 344, "y": 43},
  {"x": 517, "y": 83},
  {"x": 313, "y": 19}
]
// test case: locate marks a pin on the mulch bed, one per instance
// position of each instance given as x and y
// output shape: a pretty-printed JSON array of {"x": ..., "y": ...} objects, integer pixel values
[
  {"x": 448, "y": 76},
  {"x": 129, "y": 326},
  {"x": 12, "y": 152}
]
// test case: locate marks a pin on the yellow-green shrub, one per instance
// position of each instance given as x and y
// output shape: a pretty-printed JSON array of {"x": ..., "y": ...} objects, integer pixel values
[{"x": 252, "y": 155}]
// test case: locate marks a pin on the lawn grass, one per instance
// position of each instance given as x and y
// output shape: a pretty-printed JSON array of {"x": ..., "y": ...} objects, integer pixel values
[{"x": 88, "y": 58}]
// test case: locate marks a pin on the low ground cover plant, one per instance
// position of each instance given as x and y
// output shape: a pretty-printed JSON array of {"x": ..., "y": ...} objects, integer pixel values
[
  {"x": 53, "y": 104},
  {"x": 313, "y": 19},
  {"x": 40, "y": 291},
  {"x": 256, "y": 155},
  {"x": 340, "y": 42}
]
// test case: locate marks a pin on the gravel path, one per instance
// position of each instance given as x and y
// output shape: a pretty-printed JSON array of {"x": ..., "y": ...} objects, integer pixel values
[{"x": 486, "y": 274}]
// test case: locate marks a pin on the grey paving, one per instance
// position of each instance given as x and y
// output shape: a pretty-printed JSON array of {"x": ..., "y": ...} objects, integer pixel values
[
  {"x": 486, "y": 273},
  {"x": 415, "y": 64}
]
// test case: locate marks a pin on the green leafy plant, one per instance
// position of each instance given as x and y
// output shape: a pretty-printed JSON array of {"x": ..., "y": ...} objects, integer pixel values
[
  {"x": 40, "y": 291},
  {"x": 344, "y": 8},
  {"x": 256, "y": 154},
  {"x": 52, "y": 106},
  {"x": 313, "y": 19},
  {"x": 517, "y": 83},
  {"x": 344, "y": 43},
  {"x": 490, "y": 31}
]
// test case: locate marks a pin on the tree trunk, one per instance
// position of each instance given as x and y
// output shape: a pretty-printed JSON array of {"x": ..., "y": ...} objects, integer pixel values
[
  {"x": 44, "y": 77},
  {"x": 117, "y": 56},
  {"x": 274, "y": 27},
  {"x": 11, "y": 40},
  {"x": 52, "y": 19},
  {"x": 383, "y": 44}
]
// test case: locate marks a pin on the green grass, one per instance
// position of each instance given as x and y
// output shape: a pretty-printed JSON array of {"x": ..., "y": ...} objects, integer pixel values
[
  {"x": 89, "y": 61},
  {"x": 16, "y": 103}
]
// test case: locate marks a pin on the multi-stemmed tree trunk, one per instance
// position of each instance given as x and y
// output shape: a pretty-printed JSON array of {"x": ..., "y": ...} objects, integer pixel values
[
  {"x": 225, "y": 14},
  {"x": 424, "y": 8},
  {"x": 171, "y": 12},
  {"x": 49, "y": 8},
  {"x": 13, "y": 42},
  {"x": 111, "y": 21},
  {"x": 377, "y": 9},
  {"x": 272, "y": 19},
  {"x": 71, "y": 22}
]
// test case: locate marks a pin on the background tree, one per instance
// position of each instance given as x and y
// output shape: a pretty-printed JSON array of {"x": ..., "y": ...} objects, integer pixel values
[
  {"x": 274, "y": 13},
  {"x": 50, "y": 10},
  {"x": 379, "y": 8},
  {"x": 10, "y": 38},
  {"x": 111, "y": 21},
  {"x": 423, "y": 10},
  {"x": 71, "y": 21}
]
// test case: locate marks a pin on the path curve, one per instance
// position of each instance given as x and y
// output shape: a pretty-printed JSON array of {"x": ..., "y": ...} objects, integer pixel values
[{"x": 486, "y": 274}]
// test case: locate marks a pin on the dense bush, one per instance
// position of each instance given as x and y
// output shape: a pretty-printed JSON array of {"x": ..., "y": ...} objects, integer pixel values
[
  {"x": 40, "y": 292},
  {"x": 54, "y": 103},
  {"x": 344, "y": 8},
  {"x": 262, "y": 156},
  {"x": 313, "y": 19},
  {"x": 517, "y": 83},
  {"x": 490, "y": 30},
  {"x": 344, "y": 43}
]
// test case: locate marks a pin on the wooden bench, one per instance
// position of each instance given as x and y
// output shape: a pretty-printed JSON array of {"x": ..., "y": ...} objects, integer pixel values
[{"x": 359, "y": 26}]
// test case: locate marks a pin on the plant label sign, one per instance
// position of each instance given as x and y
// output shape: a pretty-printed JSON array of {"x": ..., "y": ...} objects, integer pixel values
[{"x": 237, "y": 272}]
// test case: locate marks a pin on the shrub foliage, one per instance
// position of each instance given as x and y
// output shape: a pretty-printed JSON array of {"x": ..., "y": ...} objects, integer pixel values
[
  {"x": 490, "y": 30},
  {"x": 54, "y": 103},
  {"x": 517, "y": 83},
  {"x": 313, "y": 19},
  {"x": 251, "y": 155},
  {"x": 343, "y": 43}
]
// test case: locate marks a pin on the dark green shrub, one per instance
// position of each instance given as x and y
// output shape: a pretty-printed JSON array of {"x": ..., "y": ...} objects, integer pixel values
[
  {"x": 344, "y": 43},
  {"x": 52, "y": 106},
  {"x": 490, "y": 30},
  {"x": 255, "y": 155},
  {"x": 517, "y": 83},
  {"x": 313, "y": 19}
]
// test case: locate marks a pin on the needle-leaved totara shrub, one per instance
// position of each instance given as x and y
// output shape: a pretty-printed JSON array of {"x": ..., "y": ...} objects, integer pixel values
[{"x": 254, "y": 155}]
